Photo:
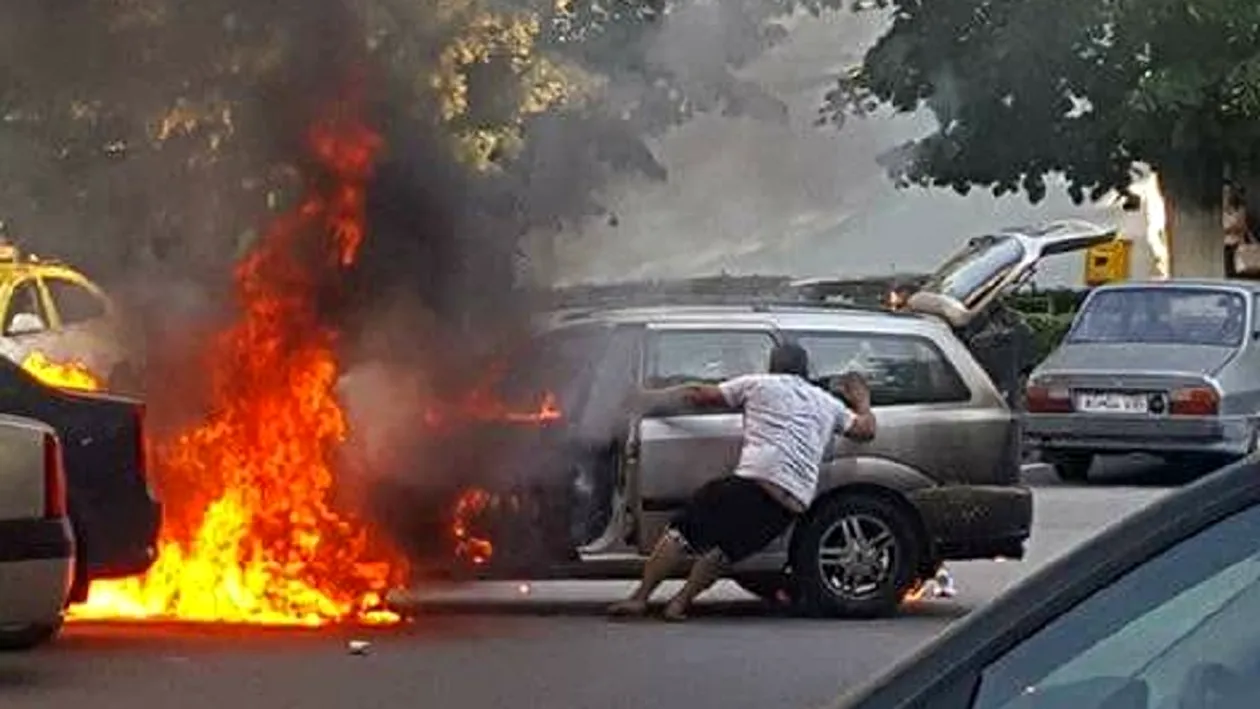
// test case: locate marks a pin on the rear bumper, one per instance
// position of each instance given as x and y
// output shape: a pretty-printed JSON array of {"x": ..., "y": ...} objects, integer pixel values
[
  {"x": 36, "y": 570},
  {"x": 35, "y": 540},
  {"x": 123, "y": 543},
  {"x": 976, "y": 521},
  {"x": 1224, "y": 435}
]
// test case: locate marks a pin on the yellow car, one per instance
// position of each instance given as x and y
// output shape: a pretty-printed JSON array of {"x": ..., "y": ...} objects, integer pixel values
[{"x": 55, "y": 318}]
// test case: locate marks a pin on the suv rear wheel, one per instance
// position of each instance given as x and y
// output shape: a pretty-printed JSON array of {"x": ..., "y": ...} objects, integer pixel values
[{"x": 854, "y": 556}]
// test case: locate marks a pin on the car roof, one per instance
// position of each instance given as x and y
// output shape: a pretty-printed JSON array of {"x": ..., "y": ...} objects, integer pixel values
[
  {"x": 785, "y": 316},
  {"x": 1251, "y": 286},
  {"x": 985, "y": 634}
]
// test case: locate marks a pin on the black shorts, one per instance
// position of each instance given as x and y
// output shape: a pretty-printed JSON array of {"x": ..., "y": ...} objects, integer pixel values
[{"x": 733, "y": 514}]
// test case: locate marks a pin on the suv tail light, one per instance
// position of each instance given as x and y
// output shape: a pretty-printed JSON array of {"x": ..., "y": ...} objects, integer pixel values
[
  {"x": 1194, "y": 401},
  {"x": 54, "y": 478},
  {"x": 1048, "y": 400}
]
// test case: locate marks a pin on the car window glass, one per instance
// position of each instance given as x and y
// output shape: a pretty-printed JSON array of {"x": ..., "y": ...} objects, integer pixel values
[
  {"x": 1163, "y": 315},
  {"x": 971, "y": 272},
  {"x": 900, "y": 369},
  {"x": 24, "y": 299},
  {"x": 556, "y": 365},
  {"x": 74, "y": 303},
  {"x": 1178, "y": 625},
  {"x": 712, "y": 356}
]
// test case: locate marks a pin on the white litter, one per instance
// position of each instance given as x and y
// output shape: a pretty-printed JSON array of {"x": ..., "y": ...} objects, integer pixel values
[{"x": 358, "y": 647}]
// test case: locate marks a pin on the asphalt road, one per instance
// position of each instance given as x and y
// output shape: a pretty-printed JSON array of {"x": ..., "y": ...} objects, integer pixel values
[{"x": 494, "y": 646}]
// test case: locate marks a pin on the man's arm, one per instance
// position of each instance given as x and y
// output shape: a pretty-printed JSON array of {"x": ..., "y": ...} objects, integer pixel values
[
  {"x": 852, "y": 389},
  {"x": 680, "y": 399}
]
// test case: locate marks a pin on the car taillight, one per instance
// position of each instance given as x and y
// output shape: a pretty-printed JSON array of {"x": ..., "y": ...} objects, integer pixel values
[
  {"x": 1048, "y": 400},
  {"x": 1194, "y": 401},
  {"x": 54, "y": 478}
]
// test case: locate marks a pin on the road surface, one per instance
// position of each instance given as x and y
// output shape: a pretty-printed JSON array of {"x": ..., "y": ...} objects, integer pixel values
[{"x": 494, "y": 647}]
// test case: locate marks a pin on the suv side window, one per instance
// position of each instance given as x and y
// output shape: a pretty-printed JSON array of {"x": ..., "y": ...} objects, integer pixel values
[
  {"x": 25, "y": 299},
  {"x": 74, "y": 303},
  {"x": 900, "y": 369},
  {"x": 705, "y": 356}
]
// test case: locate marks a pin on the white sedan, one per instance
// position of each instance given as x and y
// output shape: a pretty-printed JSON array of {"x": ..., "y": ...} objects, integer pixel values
[{"x": 36, "y": 544}]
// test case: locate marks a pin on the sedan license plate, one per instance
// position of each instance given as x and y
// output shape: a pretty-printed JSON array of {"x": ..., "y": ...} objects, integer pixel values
[{"x": 1111, "y": 403}]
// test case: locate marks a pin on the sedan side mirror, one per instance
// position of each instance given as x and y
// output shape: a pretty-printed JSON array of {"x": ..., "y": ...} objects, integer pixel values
[{"x": 26, "y": 324}]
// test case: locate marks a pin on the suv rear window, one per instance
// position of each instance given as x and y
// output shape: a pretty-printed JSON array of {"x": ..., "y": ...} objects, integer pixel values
[
  {"x": 900, "y": 369},
  {"x": 1162, "y": 315}
]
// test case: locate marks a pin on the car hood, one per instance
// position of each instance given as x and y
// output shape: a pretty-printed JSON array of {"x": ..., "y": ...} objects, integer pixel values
[{"x": 1118, "y": 357}]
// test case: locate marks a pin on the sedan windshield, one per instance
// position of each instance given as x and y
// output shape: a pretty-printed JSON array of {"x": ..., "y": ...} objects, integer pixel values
[{"x": 1161, "y": 315}]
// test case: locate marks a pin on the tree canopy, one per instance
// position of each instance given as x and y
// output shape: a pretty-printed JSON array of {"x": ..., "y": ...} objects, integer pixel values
[
  {"x": 159, "y": 130},
  {"x": 1023, "y": 89}
]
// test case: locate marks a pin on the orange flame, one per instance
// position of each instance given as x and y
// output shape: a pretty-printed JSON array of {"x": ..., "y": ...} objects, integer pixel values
[
  {"x": 251, "y": 534},
  {"x": 469, "y": 505},
  {"x": 67, "y": 375}
]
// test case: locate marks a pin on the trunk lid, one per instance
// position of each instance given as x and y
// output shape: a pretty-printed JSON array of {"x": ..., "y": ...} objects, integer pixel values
[
  {"x": 1113, "y": 360},
  {"x": 978, "y": 273}
]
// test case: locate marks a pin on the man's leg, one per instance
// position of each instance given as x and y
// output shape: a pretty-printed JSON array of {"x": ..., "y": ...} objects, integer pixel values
[
  {"x": 668, "y": 554},
  {"x": 704, "y": 573}
]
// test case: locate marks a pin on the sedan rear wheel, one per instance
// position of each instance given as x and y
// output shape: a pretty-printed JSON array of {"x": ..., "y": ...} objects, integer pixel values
[{"x": 1071, "y": 467}]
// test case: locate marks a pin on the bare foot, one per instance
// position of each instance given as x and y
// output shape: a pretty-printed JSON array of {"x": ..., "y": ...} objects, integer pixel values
[
  {"x": 630, "y": 608},
  {"x": 674, "y": 612}
]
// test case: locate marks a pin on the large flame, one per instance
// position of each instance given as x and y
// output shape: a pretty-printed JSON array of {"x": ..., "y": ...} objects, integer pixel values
[{"x": 251, "y": 533}]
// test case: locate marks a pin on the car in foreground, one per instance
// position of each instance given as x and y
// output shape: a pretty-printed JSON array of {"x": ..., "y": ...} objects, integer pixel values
[
  {"x": 112, "y": 508},
  {"x": 36, "y": 544},
  {"x": 1170, "y": 368},
  {"x": 1158, "y": 611}
]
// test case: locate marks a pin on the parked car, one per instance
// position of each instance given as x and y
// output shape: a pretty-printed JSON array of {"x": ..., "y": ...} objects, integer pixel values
[
  {"x": 588, "y": 492},
  {"x": 1156, "y": 611},
  {"x": 114, "y": 512},
  {"x": 940, "y": 481},
  {"x": 1169, "y": 368},
  {"x": 36, "y": 544},
  {"x": 55, "y": 309}
]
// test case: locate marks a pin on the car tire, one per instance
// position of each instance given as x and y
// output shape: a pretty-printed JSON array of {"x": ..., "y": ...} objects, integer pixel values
[
  {"x": 28, "y": 637},
  {"x": 883, "y": 551},
  {"x": 1071, "y": 467}
]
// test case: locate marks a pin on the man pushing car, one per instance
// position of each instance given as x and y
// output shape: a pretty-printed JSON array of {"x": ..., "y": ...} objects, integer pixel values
[{"x": 789, "y": 423}]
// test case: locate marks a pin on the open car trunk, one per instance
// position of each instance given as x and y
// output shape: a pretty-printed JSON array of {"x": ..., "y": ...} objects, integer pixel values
[{"x": 966, "y": 293}]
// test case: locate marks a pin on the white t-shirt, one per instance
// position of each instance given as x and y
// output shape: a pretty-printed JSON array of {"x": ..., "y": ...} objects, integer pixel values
[{"x": 788, "y": 423}]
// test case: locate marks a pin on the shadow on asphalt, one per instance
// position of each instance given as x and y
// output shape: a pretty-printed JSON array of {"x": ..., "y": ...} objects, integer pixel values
[
  {"x": 1127, "y": 471},
  {"x": 936, "y": 610},
  {"x": 18, "y": 678}
]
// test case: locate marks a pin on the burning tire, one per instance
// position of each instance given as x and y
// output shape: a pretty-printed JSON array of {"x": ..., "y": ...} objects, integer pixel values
[{"x": 854, "y": 556}]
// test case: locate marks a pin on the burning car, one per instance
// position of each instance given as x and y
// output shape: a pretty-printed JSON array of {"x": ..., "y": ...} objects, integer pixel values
[
  {"x": 53, "y": 312},
  {"x": 556, "y": 481},
  {"x": 114, "y": 513}
]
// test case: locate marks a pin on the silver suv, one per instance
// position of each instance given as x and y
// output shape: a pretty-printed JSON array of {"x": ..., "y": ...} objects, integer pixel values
[
  {"x": 586, "y": 492},
  {"x": 939, "y": 482}
]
